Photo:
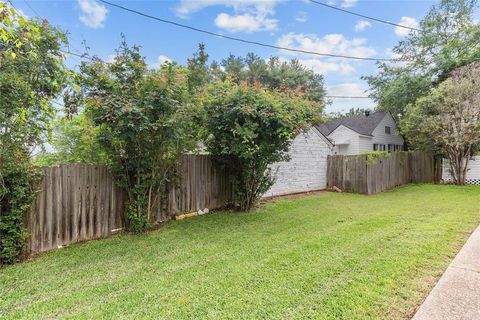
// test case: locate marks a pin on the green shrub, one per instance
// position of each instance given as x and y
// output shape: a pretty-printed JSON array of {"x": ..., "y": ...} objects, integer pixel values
[
  {"x": 144, "y": 121},
  {"x": 17, "y": 192},
  {"x": 251, "y": 128},
  {"x": 374, "y": 156},
  {"x": 137, "y": 220}
]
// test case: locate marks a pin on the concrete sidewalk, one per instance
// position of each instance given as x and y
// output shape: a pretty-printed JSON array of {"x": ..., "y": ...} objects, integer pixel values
[{"x": 457, "y": 293}]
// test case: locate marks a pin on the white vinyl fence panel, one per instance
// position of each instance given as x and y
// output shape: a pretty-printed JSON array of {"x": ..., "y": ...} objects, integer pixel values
[{"x": 473, "y": 173}]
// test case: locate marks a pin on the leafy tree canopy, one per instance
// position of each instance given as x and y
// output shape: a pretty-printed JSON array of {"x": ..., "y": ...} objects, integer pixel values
[
  {"x": 446, "y": 120},
  {"x": 74, "y": 139},
  {"x": 448, "y": 38},
  {"x": 350, "y": 113},
  {"x": 32, "y": 73},
  {"x": 275, "y": 74}
]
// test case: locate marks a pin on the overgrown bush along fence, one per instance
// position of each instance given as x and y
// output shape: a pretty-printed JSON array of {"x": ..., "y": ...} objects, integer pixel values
[
  {"x": 79, "y": 202},
  {"x": 369, "y": 175}
]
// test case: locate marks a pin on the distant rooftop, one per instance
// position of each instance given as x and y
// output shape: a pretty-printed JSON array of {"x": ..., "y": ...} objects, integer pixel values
[{"x": 361, "y": 124}]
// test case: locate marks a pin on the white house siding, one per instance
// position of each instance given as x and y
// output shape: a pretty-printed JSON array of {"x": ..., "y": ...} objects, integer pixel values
[
  {"x": 307, "y": 168},
  {"x": 473, "y": 173},
  {"x": 342, "y": 134},
  {"x": 379, "y": 135},
  {"x": 365, "y": 144}
]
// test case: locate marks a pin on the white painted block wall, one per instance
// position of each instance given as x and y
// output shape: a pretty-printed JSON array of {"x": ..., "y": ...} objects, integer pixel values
[
  {"x": 473, "y": 173},
  {"x": 307, "y": 168}
]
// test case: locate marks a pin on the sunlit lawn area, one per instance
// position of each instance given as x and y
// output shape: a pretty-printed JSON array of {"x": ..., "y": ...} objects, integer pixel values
[{"x": 324, "y": 256}]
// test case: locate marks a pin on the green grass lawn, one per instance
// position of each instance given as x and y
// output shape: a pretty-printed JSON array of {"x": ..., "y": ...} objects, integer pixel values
[{"x": 325, "y": 256}]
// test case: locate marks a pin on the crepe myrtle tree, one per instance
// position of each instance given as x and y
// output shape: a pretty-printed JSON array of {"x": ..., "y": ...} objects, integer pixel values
[
  {"x": 447, "y": 120},
  {"x": 145, "y": 124},
  {"x": 32, "y": 73},
  {"x": 251, "y": 127}
]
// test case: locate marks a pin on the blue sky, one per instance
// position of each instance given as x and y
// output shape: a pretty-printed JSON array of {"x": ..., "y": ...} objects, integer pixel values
[{"x": 297, "y": 24}]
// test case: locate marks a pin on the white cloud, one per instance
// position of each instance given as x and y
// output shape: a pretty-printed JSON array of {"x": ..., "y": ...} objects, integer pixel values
[
  {"x": 245, "y": 22},
  {"x": 22, "y": 13},
  {"x": 188, "y": 7},
  {"x": 248, "y": 15},
  {"x": 395, "y": 56},
  {"x": 324, "y": 67},
  {"x": 160, "y": 60},
  {"x": 408, "y": 22},
  {"x": 301, "y": 16},
  {"x": 111, "y": 58},
  {"x": 94, "y": 14},
  {"x": 348, "y": 89},
  {"x": 330, "y": 44},
  {"x": 163, "y": 59},
  {"x": 348, "y": 3},
  {"x": 19, "y": 11},
  {"x": 362, "y": 25}
]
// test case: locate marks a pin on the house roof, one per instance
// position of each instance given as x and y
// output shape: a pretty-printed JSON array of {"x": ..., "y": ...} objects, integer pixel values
[{"x": 361, "y": 124}]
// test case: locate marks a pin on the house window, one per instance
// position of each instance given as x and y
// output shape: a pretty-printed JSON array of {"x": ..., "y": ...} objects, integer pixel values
[
  {"x": 380, "y": 147},
  {"x": 388, "y": 130},
  {"x": 375, "y": 147},
  {"x": 390, "y": 148}
]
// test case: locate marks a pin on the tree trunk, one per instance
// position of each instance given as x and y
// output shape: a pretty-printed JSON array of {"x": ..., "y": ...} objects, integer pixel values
[{"x": 459, "y": 166}]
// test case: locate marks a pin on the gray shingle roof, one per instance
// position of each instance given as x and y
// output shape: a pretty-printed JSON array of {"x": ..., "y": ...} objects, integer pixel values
[{"x": 361, "y": 124}]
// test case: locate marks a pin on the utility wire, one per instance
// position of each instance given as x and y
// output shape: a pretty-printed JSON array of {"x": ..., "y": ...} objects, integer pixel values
[
  {"x": 347, "y": 97},
  {"x": 31, "y": 8},
  {"x": 181, "y": 25},
  {"x": 38, "y": 15},
  {"x": 364, "y": 16},
  {"x": 79, "y": 55}
]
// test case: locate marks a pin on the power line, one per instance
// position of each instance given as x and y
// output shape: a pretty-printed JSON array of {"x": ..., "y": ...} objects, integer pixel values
[
  {"x": 347, "y": 97},
  {"x": 38, "y": 15},
  {"x": 181, "y": 25},
  {"x": 364, "y": 16},
  {"x": 82, "y": 56},
  {"x": 31, "y": 8}
]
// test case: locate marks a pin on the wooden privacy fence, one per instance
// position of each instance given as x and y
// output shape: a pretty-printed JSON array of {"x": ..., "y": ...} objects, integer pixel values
[
  {"x": 356, "y": 174},
  {"x": 79, "y": 202},
  {"x": 202, "y": 184}
]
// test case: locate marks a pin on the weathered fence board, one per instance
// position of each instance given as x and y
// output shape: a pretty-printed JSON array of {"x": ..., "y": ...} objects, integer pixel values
[
  {"x": 201, "y": 184},
  {"x": 70, "y": 206},
  {"x": 354, "y": 174},
  {"x": 78, "y": 202}
]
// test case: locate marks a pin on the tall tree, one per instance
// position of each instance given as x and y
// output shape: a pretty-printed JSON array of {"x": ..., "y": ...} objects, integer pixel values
[
  {"x": 145, "y": 125},
  {"x": 197, "y": 75},
  {"x": 276, "y": 75},
  {"x": 448, "y": 38},
  {"x": 74, "y": 139},
  {"x": 447, "y": 120},
  {"x": 32, "y": 73}
]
